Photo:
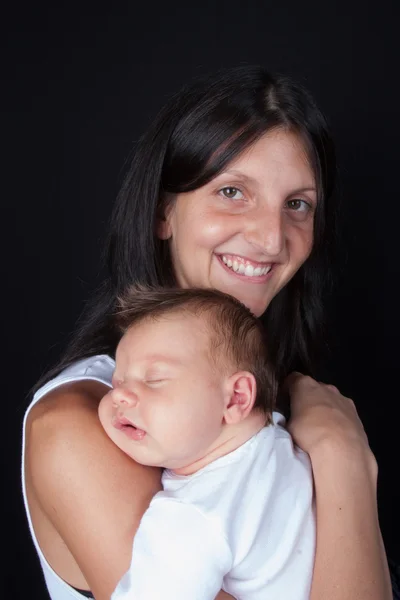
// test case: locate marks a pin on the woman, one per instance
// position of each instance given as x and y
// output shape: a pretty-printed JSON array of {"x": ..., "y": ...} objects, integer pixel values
[{"x": 230, "y": 188}]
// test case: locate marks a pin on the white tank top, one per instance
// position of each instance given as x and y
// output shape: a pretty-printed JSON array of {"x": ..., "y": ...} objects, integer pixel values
[{"x": 97, "y": 368}]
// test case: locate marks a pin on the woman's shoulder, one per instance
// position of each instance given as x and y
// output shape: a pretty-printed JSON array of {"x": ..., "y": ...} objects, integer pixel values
[
  {"x": 98, "y": 368},
  {"x": 63, "y": 414}
]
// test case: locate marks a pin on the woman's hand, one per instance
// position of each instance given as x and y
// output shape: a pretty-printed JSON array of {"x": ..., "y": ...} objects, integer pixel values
[
  {"x": 350, "y": 560},
  {"x": 322, "y": 416}
]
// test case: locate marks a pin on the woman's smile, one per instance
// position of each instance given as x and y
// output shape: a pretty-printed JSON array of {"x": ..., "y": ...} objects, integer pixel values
[{"x": 246, "y": 269}]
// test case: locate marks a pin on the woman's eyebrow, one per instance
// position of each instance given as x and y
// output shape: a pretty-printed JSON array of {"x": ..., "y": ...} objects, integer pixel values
[
  {"x": 237, "y": 173},
  {"x": 304, "y": 189}
]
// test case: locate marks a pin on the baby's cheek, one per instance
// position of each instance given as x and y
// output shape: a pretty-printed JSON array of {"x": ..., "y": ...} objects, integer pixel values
[
  {"x": 105, "y": 409},
  {"x": 198, "y": 428}
]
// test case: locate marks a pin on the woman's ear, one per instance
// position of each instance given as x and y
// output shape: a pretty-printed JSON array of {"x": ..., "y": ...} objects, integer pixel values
[
  {"x": 241, "y": 396},
  {"x": 163, "y": 229},
  {"x": 163, "y": 223}
]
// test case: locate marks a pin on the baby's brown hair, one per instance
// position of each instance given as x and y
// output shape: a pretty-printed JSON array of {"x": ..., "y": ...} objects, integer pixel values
[{"x": 237, "y": 338}]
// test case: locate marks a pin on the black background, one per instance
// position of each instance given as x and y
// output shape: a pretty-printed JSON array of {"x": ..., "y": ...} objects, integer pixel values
[{"x": 81, "y": 85}]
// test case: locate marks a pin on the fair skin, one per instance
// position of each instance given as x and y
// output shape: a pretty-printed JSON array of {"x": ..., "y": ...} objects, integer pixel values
[
  {"x": 259, "y": 212},
  {"x": 173, "y": 408},
  {"x": 326, "y": 425},
  {"x": 87, "y": 497}
]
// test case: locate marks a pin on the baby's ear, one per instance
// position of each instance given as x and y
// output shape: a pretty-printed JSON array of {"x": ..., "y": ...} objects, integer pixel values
[{"x": 241, "y": 395}]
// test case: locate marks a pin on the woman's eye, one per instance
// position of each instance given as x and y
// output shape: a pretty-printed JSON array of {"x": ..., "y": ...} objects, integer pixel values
[
  {"x": 231, "y": 193},
  {"x": 298, "y": 204},
  {"x": 299, "y": 209}
]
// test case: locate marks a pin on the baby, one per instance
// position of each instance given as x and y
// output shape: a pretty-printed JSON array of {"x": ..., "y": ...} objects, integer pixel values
[{"x": 193, "y": 392}]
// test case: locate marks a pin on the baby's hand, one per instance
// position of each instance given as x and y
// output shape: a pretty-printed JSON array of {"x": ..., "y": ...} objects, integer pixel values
[{"x": 321, "y": 417}]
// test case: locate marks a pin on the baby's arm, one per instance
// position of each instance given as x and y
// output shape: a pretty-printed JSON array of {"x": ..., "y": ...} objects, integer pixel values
[{"x": 178, "y": 553}]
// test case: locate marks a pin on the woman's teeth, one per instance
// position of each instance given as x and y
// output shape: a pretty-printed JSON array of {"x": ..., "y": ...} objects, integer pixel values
[{"x": 247, "y": 270}]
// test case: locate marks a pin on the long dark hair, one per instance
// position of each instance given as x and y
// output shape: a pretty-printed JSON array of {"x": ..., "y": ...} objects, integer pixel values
[{"x": 194, "y": 137}]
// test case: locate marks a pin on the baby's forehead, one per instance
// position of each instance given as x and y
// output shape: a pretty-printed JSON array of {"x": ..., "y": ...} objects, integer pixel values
[
  {"x": 168, "y": 334},
  {"x": 179, "y": 319}
]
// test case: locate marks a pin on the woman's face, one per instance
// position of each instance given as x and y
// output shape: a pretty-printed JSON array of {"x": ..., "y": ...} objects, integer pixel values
[{"x": 249, "y": 230}]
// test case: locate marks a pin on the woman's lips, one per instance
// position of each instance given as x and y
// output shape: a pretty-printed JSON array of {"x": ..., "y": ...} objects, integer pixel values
[{"x": 242, "y": 276}]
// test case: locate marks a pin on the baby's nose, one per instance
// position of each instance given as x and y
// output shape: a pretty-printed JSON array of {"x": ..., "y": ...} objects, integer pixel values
[{"x": 124, "y": 397}]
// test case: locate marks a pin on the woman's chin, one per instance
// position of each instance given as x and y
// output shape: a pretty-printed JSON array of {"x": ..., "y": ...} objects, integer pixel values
[
  {"x": 257, "y": 310},
  {"x": 256, "y": 300},
  {"x": 257, "y": 306}
]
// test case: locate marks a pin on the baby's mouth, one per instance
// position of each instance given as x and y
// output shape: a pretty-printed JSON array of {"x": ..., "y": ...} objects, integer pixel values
[{"x": 126, "y": 426}]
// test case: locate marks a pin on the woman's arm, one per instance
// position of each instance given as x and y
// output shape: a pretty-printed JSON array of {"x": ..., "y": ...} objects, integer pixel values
[
  {"x": 350, "y": 560},
  {"x": 92, "y": 493}
]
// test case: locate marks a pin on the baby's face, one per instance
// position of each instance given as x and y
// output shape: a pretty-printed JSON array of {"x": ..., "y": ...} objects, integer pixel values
[{"x": 167, "y": 403}]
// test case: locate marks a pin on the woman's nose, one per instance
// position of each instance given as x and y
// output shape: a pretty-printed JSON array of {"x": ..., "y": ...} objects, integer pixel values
[
  {"x": 124, "y": 397},
  {"x": 265, "y": 230}
]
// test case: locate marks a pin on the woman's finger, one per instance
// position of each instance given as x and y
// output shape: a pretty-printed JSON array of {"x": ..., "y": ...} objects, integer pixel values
[{"x": 333, "y": 388}]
